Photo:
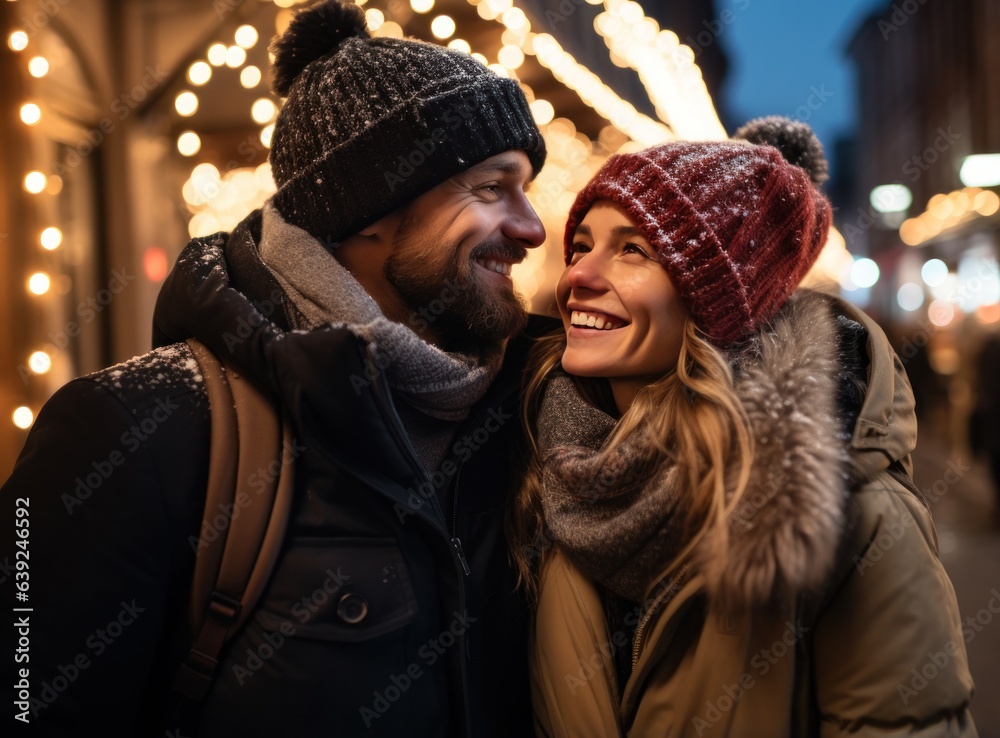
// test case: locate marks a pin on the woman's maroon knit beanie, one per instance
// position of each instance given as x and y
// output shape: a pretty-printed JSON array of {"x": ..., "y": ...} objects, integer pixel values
[{"x": 737, "y": 224}]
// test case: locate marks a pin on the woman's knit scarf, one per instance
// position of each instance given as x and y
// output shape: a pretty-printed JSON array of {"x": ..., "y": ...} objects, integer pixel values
[{"x": 618, "y": 518}]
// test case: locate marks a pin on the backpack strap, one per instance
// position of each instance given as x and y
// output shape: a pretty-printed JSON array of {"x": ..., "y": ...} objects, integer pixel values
[{"x": 247, "y": 507}]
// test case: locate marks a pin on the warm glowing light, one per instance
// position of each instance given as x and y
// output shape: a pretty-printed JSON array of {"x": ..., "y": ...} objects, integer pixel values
[
  {"x": 443, "y": 27},
  {"x": 980, "y": 170},
  {"x": 39, "y": 283},
  {"x": 34, "y": 182},
  {"x": 514, "y": 18},
  {"x": 479, "y": 57},
  {"x": 374, "y": 18},
  {"x": 51, "y": 238},
  {"x": 246, "y": 36},
  {"x": 511, "y": 57},
  {"x": 38, "y": 66},
  {"x": 23, "y": 417},
  {"x": 30, "y": 114},
  {"x": 265, "y": 135},
  {"x": 186, "y": 104},
  {"x": 189, "y": 143},
  {"x": 199, "y": 73},
  {"x": 910, "y": 296},
  {"x": 39, "y": 362},
  {"x": 250, "y": 76},
  {"x": 891, "y": 198},
  {"x": 217, "y": 54},
  {"x": 542, "y": 111},
  {"x": 18, "y": 41},
  {"x": 460, "y": 45},
  {"x": 421, "y": 6},
  {"x": 941, "y": 312},
  {"x": 235, "y": 56},
  {"x": 390, "y": 29},
  {"x": 154, "y": 264},
  {"x": 987, "y": 203},
  {"x": 864, "y": 273},
  {"x": 934, "y": 272},
  {"x": 263, "y": 110}
]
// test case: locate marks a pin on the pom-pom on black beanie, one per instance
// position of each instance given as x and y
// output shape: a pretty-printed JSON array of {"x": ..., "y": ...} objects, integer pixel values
[{"x": 371, "y": 123}]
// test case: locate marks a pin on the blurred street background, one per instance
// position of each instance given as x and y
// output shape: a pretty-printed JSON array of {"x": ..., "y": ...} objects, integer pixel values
[{"x": 129, "y": 126}]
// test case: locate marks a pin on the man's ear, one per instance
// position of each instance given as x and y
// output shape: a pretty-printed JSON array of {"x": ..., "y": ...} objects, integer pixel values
[{"x": 383, "y": 229}]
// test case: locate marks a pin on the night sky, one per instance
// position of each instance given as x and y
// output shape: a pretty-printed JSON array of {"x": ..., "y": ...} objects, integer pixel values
[{"x": 787, "y": 58}]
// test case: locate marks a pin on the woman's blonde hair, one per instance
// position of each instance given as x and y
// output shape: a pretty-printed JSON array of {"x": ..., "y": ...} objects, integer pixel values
[{"x": 691, "y": 417}]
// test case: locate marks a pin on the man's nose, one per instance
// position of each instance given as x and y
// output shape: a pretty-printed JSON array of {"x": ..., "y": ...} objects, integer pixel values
[{"x": 523, "y": 224}]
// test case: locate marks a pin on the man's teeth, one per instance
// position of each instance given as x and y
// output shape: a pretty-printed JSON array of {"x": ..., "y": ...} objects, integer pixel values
[
  {"x": 591, "y": 320},
  {"x": 500, "y": 267}
]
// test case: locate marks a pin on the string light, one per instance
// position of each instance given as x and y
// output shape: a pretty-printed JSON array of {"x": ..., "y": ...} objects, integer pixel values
[
  {"x": 374, "y": 18},
  {"x": 39, "y": 362},
  {"x": 189, "y": 143},
  {"x": 217, "y": 54},
  {"x": 542, "y": 111},
  {"x": 31, "y": 114},
  {"x": 199, "y": 73},
  {"x": 667, "y": 70},
  {"x": 34, "y": 182},
  {"x": 945, "y": 211},
  {"x": 39, "y": 283},
  {"x": 250, "y": 76},
  {"x": 460, "y": 45},
  {"x": 422, "y": 6},
  {"x": 246, "y": 36},
  {"x": 18, "y": 41},
  {"x": 23, "y": 417},
  {"x": 443, "y": 27},
  {"x": 186, "y": 104},
  {"x": 38, "y": 66},
  {"x": 235, "y": 56},
  {"x": 51, "y": 238},
  {"x": 263, "y": 110}
]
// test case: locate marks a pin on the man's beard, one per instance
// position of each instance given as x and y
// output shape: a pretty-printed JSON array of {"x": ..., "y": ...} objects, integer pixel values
[{"x": 451, "y": 302}]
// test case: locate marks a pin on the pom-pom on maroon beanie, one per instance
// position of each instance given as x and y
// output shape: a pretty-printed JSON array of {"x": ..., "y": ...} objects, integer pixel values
[{"x": 736, "y": 224}]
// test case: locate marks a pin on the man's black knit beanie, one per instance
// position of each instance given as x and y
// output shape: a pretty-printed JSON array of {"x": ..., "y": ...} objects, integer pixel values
[{"x": 371, "y": 123}]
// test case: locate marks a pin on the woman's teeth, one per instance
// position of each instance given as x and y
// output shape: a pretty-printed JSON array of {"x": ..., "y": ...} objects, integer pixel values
[
  {"x": 591, "y": 320},
  {"x": 500, "y": 267}
]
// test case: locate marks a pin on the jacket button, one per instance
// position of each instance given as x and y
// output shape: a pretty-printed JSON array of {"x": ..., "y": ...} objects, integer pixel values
[{"x": 352, "y": 608}]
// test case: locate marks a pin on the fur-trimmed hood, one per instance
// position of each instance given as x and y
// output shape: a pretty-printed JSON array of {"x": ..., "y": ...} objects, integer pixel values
[{"x": 784, "y": 534}]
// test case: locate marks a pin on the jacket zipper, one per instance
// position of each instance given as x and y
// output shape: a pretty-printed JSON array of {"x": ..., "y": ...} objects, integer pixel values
[
  {"x": 455, "y": 540},
  {"x": 661, "y": 599}
]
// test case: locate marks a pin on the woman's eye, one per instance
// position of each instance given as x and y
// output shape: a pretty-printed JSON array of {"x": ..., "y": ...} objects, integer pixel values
[
  {"x": 577, "y": 249},
  {"x": 634, "y": 248}
]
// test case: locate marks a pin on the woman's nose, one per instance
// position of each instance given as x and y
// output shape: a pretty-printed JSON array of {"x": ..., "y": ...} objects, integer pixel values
[{"x": 587, "y": 272}]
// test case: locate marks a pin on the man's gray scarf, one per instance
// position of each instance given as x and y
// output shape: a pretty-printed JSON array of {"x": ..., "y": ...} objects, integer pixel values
[{"x": 437, "y": 383}]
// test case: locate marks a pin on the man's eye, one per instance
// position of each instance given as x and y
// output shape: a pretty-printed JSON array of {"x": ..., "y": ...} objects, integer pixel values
[{"x": 493, "y": 189}]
